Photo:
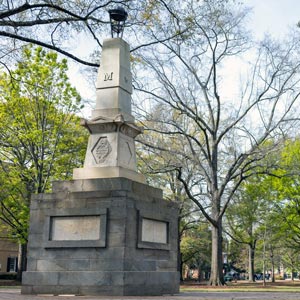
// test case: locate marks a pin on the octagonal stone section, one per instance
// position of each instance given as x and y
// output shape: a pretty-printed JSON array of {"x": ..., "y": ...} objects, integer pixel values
[
  {"x": 101, "y": 150},
  {"x": 128, "y": 153}
]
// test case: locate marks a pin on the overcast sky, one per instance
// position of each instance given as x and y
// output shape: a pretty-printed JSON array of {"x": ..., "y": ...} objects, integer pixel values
[
  {"x": 267, "y": 16},
  {"x": 273, "y": 16}
]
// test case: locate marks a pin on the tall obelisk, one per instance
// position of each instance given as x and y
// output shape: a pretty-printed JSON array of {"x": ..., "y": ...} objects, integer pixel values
[
  {"x": 111, "y": 150},
  {"x": 105, "y": 232}
]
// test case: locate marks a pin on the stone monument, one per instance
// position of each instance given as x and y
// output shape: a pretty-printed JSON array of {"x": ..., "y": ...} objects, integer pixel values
[{"x": 106, "y": 232}]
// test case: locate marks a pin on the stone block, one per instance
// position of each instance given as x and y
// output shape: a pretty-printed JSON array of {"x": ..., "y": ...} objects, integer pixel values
[
  {"x": 111, "y": 113},
  {"x": 27, "y": 290},
  {"x": 35, "y": 239},
  {"x": 50, "y": 290},
  {"x": 119, "y": 268},
  {"x": 93, "y": 172},
  {"x": 113, "y": 102},
  {"x": 37, "y": 218},
  {"x": 61, "y": 195},
  {"x": 144, "y": 189},
  {"x": 89, "y": 278},
  {"x": 71, "y": 203},
  {"x": 79, "y": 253},
  {"x": 40, "y": 278},
  {"x": 119, "y": 193},
  {"x": 154, "y": 254},
  {"x": 108, "y": 265},
  {"x": 166, "y": 265},
  {"x": 134, "y": 265},
  {"x": 115, "y": 66},
  {"x": 38, "y": 204},
  {"x": 93, "y": 185},
  {"x": 63, "y": 265},
  {"x": 116, "y": 240},
  {"x": 101, "y": 290},
  {"x": 117, "y": 225},
  {"x": 31, "y": 263}
]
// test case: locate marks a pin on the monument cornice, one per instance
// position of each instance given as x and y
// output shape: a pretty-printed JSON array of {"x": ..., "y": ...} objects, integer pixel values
[{"x": 105, "y": 125}]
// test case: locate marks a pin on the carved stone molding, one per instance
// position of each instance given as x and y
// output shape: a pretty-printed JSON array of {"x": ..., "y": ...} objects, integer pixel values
[{"x": 101, "y": 150}]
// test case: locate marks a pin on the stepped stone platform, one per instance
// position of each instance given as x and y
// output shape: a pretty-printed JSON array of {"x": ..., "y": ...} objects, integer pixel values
[{"x": 109, "y": 236}]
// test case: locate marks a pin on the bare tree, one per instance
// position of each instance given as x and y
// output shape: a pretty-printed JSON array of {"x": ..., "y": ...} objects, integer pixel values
[
  {"x": 225, "y": 137},
  {"x": 57, "y": 25}
]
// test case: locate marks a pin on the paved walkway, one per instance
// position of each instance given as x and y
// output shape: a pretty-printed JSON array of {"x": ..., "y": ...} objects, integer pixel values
[{"x": 14, "y": 294}]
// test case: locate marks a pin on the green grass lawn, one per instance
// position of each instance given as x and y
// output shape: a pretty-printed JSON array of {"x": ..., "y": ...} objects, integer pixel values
[{"x": 244, "y": 286}]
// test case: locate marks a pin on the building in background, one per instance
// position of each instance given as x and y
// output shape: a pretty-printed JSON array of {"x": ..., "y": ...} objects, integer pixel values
[{"x": 9, "y": 250}]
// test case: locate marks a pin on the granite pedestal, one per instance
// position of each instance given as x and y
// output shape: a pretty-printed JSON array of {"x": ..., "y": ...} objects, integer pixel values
[{"x": 102, "y": 237}]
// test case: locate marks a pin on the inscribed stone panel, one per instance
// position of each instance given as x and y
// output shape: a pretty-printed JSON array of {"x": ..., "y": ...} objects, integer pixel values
[
  {"x": 154, "y": 231},
  {"x": 75, "y": 228}
]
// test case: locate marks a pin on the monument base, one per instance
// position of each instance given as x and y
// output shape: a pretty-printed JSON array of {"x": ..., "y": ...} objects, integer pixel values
[
  {"x": 130, "y": 283},
  {"x": 111, "y": 236},
  {"x": 107, "y": 172}
]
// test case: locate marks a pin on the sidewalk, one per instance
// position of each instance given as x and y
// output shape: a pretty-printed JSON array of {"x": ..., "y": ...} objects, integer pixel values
[{"x": 14, "y": 294}]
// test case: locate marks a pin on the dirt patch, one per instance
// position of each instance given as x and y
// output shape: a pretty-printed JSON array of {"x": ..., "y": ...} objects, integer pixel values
[{"x": 7, "y": 282}]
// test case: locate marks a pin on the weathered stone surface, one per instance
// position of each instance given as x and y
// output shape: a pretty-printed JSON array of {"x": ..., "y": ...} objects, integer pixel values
[
  {"x": 139, "y": 283},
  {"x": 153, "y": 283},
  {"x": 40, "y": 278},
  {"x": 107, "y": 172},
  {"x": 154, "y": 231},
  {"x": 112, "y": 102},
  {"x": 105, "y": 232},
  {"x": 91, "y": 185},
  {"x": 87, "y": 236},
  {"x": 70, "y": 228},
  {"x": 65, "y": 269},
  {"x": 63, "y": 264},
  {"x": 111, "y": 148},
  {"x": 115, "y": 59}
]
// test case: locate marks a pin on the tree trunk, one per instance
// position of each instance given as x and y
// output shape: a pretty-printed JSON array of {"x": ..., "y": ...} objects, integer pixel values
[
  {"x": 181, "y": 270},
  {"x": 273, "y": 272},
  {"x": 216, "y": 273},
  {"x": 200, "y": 277},
  {"x": 251, "y": 263},
  {"x": 179, "y": 255},
  {"x": 272, "y": 264},
  {"x": 22, "y": 260},
  {"x": 264, "y": 264}
]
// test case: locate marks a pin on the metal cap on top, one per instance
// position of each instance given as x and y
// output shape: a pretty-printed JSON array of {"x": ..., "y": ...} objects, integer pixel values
[{"x": 118, "y": 17}]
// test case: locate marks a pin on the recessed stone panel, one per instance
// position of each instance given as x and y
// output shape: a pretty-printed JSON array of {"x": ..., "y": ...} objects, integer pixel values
[
  {"x": 75, "y": 228},
  {"x": 101, "y": 150},
  {"x": 154, "y": 231}
]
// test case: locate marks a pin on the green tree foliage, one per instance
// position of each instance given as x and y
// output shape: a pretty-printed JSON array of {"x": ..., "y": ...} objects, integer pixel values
[
  {"x": 40, "y": 136},
  {"x": 196, "y": 249},
  {"x": 247, "y": 213},
  {"x": 223, "y": 135},
  {"x": 285, "y": 193},
  {"x": 265, "y": 212}
]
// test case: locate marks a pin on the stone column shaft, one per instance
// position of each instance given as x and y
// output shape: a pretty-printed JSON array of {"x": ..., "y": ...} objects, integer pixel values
[{"x": 111, "y": 149}]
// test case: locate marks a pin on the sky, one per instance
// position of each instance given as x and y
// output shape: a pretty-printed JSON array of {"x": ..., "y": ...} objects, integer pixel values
[
  {"x": 266, "y": 16},
  {"x": 273, "y": 16}
]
